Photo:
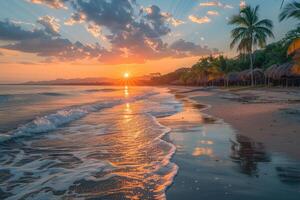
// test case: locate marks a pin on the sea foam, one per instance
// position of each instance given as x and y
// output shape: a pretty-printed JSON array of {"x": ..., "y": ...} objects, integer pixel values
[{"x": 54, "y": 120}]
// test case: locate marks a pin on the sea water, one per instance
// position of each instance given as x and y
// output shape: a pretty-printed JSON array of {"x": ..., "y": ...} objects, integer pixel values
[
  {"x": 116, "y": 143},
  {"x": 72, "y": 142}
]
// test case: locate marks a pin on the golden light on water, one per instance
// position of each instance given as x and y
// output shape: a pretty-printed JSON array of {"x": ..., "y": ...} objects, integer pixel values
[
  {"x": 126, "y": 91},
  {"x": 202, "y": 151}
]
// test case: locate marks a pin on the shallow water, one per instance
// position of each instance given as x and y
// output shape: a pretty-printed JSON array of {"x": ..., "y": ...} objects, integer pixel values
[
  {"x": 66, "y": 142},
  {"x": 216, "y": 163},
  {"x": 101, "y": 145}
]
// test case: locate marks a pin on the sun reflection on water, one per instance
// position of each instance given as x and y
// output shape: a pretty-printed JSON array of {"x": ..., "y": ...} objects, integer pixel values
[
  {"x": 126, "y": 91},
  {"x": 202, "y": 151}
]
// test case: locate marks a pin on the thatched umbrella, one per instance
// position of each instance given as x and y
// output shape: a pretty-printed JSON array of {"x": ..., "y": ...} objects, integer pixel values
[
  {"x": 269, "y": 73},
  {"x": 232, "y": 78},
  {"x": 258, "y": 75},
  {"x": 243, "y": 75},
  {"x": 270, "y": 70},
  {"x": 283, "y": 73}
]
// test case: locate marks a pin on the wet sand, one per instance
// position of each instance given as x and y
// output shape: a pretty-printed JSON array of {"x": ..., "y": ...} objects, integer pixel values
[
  {"x": 267, "y": 115},
  {"x": 216, "y": 162}
]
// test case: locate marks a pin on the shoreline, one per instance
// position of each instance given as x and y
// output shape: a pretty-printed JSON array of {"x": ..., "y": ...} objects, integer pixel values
[
  {"x": 217, "y": 162},
  {"x": 269, "y": 116}
]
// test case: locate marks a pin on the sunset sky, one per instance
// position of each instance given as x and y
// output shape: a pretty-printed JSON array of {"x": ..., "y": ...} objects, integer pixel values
[{"x": 49, "y": 39}]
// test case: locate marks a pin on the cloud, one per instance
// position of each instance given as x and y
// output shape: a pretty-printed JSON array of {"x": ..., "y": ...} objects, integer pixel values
[
  {"x": 56, "y": 48},
  {"x": 40, "y": 42},
  {"x": 134, "y": 35},
  {"x": 114, "y": 14},
  {"x": 139, "y": 35},
  {"x": 18, "y": 22},
  {"x": 51, "y": 24},
  {"x": 12, "y": 32},
  {"x": 96, "y": 31},
  {"x": 212, "y": 3},
  {"x": 176, "y": 22},
  {"x": 51, "y": 3},
  {"x": 199, "y": 20},
  {"x": 169, "y": 18},
  {"x": 184, "y": 48},
  {"x": 215, "y": 4},
  {"x": 228, "y": 6},
  {"x": 75, "y": 18},
  {"x": 213, "y": 13}
]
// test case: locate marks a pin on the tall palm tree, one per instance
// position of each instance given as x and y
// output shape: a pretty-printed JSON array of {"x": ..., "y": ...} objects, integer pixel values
[{"x": 250, "y": 32}]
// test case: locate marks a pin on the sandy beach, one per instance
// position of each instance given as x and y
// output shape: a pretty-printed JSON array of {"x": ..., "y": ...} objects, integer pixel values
[{"x": 267, "y": 115}]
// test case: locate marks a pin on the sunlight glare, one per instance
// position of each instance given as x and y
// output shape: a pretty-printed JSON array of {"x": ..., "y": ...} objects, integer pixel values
[{"x": 126, "y": 75}]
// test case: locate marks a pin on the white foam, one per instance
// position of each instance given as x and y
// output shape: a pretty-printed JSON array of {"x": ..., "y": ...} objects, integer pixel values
[{"x": 53, "y": 121}]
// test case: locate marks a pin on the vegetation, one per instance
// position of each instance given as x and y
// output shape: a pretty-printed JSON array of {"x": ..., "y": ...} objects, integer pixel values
[
  {"x": 250, "y": 32},
  {"x": 292, "y": 10},
  {"x": 211, "y": 70}
]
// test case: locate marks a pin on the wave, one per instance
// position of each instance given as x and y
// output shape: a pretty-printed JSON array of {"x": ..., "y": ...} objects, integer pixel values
[
  {"x": 4, "y": 97},
  {"x": 51, "y": 94},
  {"x": 53, "y": 121},
  {"x": 20, "y": 97},
  {"x": 102, "y": 90}
]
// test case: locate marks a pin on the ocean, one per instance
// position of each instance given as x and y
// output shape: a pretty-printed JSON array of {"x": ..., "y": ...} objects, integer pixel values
[
  {"x": 130, "y": 143},
  {"x": 85, "y": 142}
]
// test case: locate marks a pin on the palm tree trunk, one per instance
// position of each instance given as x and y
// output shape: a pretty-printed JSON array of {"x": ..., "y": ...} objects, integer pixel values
[{"x": 251, "y": 69}]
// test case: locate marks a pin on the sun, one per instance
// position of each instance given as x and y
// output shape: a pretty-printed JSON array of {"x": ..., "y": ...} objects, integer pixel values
[{"x": 126, "y": 75}]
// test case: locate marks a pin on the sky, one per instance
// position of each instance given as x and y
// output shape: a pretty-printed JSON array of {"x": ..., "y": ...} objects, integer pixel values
[{"x": 50, "y": 39}]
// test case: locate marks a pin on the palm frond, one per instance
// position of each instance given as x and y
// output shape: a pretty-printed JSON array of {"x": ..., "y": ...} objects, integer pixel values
[
  {"x": 249, "y": 31},
  {"x": 290, "y": 10},
  {"x": 265, "y": 22},
  {"x": 238, "y": 20},
  {"x": 265, "y": 30}
]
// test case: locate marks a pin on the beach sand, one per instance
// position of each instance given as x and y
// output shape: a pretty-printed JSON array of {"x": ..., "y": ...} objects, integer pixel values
[{"x": 267, "y": 115}]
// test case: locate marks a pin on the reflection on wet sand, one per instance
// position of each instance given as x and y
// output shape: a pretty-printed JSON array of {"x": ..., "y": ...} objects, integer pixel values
[
  {"x": 248, "y": 154},
  {"x": 289, "y": 174},
  {"x": 215, "y": 163},
  {"x": 203, "y": 151}
]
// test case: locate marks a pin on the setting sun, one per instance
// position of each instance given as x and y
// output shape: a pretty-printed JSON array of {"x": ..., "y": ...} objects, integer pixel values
[
  {"x": 126, "y": 75},
  {"x": 150, "y": 99}
]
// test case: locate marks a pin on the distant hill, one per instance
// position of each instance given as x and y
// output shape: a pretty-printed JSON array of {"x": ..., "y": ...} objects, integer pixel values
[{"x": 76, "y": 81}]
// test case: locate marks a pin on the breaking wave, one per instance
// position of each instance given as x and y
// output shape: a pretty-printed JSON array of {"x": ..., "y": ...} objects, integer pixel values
[{"x": 53, "y": 121}]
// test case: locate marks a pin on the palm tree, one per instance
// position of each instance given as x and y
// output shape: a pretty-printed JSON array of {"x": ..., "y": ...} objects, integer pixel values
[
  {"x": 250, "y": 32},
  {"x": 290, "y": 10}
]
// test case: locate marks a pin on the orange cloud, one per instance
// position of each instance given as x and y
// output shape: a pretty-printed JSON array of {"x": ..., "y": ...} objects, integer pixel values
[
  {"x": 215, "y": 3},
  {"x": 199, "y": 20},
  {"x": 213, "y": 12}
]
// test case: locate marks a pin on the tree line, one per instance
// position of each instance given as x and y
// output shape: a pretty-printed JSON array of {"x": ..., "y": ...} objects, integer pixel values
[{"x": 249, "y": 36}]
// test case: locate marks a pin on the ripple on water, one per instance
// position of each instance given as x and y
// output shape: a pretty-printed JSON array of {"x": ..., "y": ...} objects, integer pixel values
[{"x": 129, "y": 161}]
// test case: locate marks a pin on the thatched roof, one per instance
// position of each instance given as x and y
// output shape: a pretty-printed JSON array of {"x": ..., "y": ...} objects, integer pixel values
[
  {"x": 287, "y": 70},
  {"x": 232, "y": 77},
  {"x": 246, "y": 75}
]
